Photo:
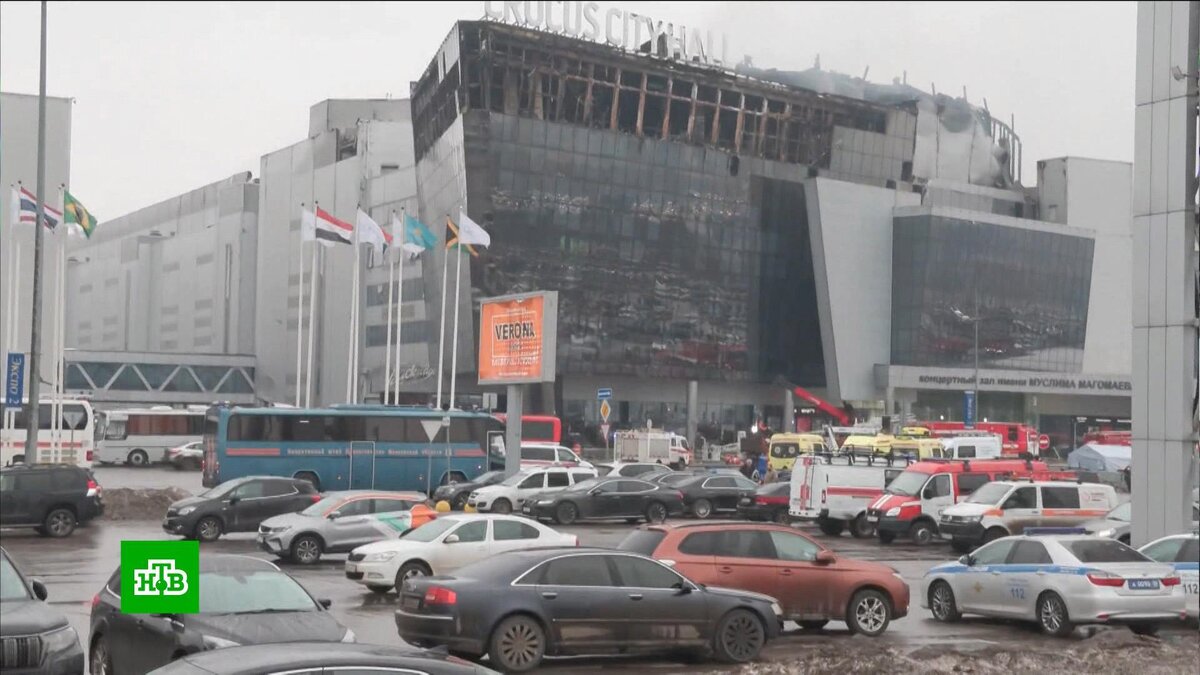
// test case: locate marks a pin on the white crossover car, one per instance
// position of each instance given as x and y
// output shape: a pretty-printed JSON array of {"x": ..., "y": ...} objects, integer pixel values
[
  {"x": 446, "y": 544},
  {"x": 1059, "y": 581},
  {"x": 509, "y": 494},
  {"x": 1183, "y": 552}
]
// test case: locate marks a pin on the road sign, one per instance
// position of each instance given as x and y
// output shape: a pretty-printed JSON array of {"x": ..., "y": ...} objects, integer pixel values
[
  {"x": 969, "y": 409},
  {"x": 1043, "y": 442},
  {"x": 604, "y": 393},
  {"x": 14, "y": 380},
  {"x": 431, "y": 428},
  {"x": 604, "y": 432},
  {"x": 605, "y": 410}
]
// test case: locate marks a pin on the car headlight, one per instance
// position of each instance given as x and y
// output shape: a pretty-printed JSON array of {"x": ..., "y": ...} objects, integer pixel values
[
  {"x": 60, "y": 640},
  {"x": 777, "y": 609},
  {"x": 349, "y": 636},
  {"x": 545, "y": 502},
  {"x": 893, "y": 512},
  {"x": 1105, "y": 534},
  {"x": 379, "y": 557},
  {"x": 211, "y": 642},
  {"x": 186, "y": 510}
]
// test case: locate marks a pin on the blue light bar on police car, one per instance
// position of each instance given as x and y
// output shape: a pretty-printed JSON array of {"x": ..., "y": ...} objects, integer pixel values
[{"x": 1035, "y": 531}]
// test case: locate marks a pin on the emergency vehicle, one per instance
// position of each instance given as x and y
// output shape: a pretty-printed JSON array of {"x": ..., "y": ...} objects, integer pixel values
[
  {"x": 970, "y": 445},
  {"x": 913, "y": 502},
  {"x": 1182, "y": 551},
  {"x": 652, "y": 446},
  {"x": 1004, "y": 508},
  {"x": 836, "y": 491},
  {"x": 1017, "y": 439},
  {"x": 1059, "y": 581},
  {"x": 918, "y": 442},
  {"x": 785, "y": 448}
]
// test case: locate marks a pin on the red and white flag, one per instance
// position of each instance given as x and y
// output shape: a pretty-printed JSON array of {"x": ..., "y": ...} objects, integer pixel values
[
  {"x": 330, "y": 229},
  {"x": 24, "y": 207}
]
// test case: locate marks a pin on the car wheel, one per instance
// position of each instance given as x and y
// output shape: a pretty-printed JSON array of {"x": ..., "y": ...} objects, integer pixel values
[
  {"x": 311, "y": 478},
  {"x": 942, "y": 603},
  {"x": 886, "y": 537},
  {"x": 921, "y": 533},
  {"x": 1052, "y": 615},
  {"x": 831, "y": 526},
  {"x": 518, "y": 644},
  {"x": 502, "y": 505},
  {"x": 869, "y": 613},
  {"x": 960, "y": 546},
  {"x": 208, "y": 529},
  {"x": 59, "y": 523},
  {"x": 702, "y": 508},
  {"x": 740, "y": 637},
  {"x": 138, "y": 458},
  {"x": 656, "y": 513},
  {"x": 993, "y": 534},
  {"x": 100, "y": 660},
  {"x": 861, "y": 528},
  {"x": 306, "y": 549},
  {"x": 1144, "y": 628},
  {"x": 566, "y": 513},
  {"x": 378, "y": 590},
  {"x": 410, "y": 570},
  {"x": 813, "y": 625}
]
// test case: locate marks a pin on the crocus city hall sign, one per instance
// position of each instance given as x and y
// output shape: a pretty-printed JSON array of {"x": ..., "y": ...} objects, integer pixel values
[{"x": 627, "y": 30}]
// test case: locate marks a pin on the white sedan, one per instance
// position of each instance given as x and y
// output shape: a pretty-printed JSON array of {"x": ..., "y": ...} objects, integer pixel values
[
  {"x": 446, "y": 544},
  {"x": 1183, "y": 552},
  {"x": 1057, "y": 581}
]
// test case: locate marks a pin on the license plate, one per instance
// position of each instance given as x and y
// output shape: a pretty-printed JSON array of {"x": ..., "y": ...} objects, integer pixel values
[
  {"x": 745, "y": 500},
  {"x": 411, "y": 602},
  {"x": 1143, "y": 584},
  {"x": 872, "y": 519},
  {"x": 351, "y": 568}
]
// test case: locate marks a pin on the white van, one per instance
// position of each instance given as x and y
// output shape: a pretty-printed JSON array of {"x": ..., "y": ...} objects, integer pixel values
[
  {"x": 969, "y": 447},
  {"x": 1003, "y": 508},
  {"x": 836, "y": 491}
]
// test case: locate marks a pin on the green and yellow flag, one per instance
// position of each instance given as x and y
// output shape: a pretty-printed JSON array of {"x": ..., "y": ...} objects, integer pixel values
[{"x": 77, "y": 215}]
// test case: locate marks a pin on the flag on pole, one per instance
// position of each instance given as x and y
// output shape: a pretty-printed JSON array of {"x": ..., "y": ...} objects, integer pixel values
[
  {"x": 329, "y": 228},
  {"x": 78, "y": 215},
  {"x": 416, "y": 236},
  {"x": 371, "y": 233},
  {"x": 25, "y": 208},
  {"x": 467, "y": 233}
]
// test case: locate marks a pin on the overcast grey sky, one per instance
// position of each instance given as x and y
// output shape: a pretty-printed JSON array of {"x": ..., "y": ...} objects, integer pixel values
[{"x": 170, "y": 96}]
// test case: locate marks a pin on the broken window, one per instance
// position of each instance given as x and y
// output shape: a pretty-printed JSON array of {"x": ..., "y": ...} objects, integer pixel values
[
  {"x": 654, "y": 116},
  {"x": 573, "y": 101},
  {"x": 678, "y": 120},
  {"x": 602, "y": 105},
  {"x": 627, "y": 109}
]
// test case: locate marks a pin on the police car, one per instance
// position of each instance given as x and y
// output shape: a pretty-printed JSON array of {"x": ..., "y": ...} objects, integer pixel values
[
  {"x": 1183, "y": 552},
  {"x": 1060, "y": 578}
]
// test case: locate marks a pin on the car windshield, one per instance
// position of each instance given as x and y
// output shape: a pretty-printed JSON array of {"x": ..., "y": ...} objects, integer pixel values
[
  {"x": 908, "y": 483},
  {"x": 220, "y": 490},
  {"x": 431, "y": 530},
  {"x": 642, "y": 541},
  {"x": 515, "y": 479},
  {"x": 321, "y": 507},
  {"x": 991, "y": 493},
  {"x": 488, "y": 478},
  {"x": 11, "y": 586},
  {"x": 257, "y": 591},
  {"x": 1104, "y": 551},
  {"x": 1123, "y": 513}
]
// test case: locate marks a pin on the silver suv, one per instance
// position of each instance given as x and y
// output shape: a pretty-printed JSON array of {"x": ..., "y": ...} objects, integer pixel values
[{"x": 341, "y": 522}]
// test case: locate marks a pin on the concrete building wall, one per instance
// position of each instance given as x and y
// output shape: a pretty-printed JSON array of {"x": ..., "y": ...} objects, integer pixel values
[{"x": 18, "y": 163}]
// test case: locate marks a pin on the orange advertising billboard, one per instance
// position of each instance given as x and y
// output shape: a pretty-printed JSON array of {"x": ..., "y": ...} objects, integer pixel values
[{"x": 517, "y": 338}]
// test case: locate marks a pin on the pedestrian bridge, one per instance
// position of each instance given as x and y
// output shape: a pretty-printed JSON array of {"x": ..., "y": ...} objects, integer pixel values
[{"x": 160, "y": 378}]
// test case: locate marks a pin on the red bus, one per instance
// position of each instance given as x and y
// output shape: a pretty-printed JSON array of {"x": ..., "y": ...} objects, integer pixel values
[
  {"x": 538, "y": 428},
  {"x": 1014, "y": 438}
]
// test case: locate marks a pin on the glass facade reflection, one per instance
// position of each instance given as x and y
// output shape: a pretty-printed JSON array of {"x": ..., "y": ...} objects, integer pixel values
[{"x": 1028, "y": 290}]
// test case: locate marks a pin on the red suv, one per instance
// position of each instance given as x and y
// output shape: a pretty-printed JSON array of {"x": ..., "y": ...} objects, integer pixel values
[{"x": 812, "y": 583}]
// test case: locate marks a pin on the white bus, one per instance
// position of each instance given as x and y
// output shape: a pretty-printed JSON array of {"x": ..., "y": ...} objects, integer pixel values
[
  {"x": 76, "y": 441},
  {"x": 142, "y": 436}
]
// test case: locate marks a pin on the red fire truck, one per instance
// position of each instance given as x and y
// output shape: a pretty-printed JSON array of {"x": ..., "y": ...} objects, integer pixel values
[{"x": 1015, "y": 438}]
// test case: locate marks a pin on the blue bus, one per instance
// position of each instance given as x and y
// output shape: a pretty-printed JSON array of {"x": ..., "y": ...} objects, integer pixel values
[{"x": 351, "y": 447}]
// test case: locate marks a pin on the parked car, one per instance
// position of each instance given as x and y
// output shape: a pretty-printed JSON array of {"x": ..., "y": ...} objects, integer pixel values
[
  {"x": 672, "y": 478},
  {"x": 53, "y": 499},
  {"x": 310, "y": 659},
  {"x": 34, "y": 637},
  {"x": 243, "y": 601},
  {"x": 1181, "y": 551},
  {"x": 186, "y": 456},
  {"x": 629, "y": 499},
  {"x": 1007, "y": 507},
  {"x": 631, "y": 469},
  {"x": 1116, "y": 524},
  {"x": 442, "y": 546},
  {"x": 239, "y": 505},
  {"x": 456, "y": 493},
  {"x": 550, "y": 454},
  {"x": 341, "y": 522},
  {"x": 705, "y": 495},
  {"x": 769, "y": 502},
  {"x": 812, "y": 583},
  {"x": 510, "y": 493},
  {"x": 519, "y": 607}
]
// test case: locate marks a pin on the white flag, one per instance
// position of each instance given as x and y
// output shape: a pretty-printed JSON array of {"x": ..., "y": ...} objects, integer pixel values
[
  {"x": 369, "y": 232},
  {"x": 308, "y": 225},
  {"x": 470, "y": 233}
]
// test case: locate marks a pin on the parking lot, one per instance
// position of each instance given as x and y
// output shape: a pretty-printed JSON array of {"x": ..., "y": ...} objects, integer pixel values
[{"x": 75, "y": 568}]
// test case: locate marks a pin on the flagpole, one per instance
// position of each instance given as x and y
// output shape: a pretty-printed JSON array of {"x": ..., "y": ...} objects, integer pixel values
[
  {"x": 351, "y": 384},
  {"x": 300, "y": 317},
  {"x": 387, "y": 368},
  {"x": 442, "y": 327},
  {"x": 312, "y": 324},
  {"x": 35, "y": 329},
  {"x": 59, "y": 335},
  {"x": 454, "y": 338},
  {"x": 399, "y": 313}
]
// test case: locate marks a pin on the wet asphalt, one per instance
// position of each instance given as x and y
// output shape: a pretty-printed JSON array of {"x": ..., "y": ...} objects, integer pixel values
[{"x": 74, "y": 569}]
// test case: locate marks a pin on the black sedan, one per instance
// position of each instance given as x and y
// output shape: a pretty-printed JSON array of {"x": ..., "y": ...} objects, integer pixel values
[
  {"x": 520, "y": 606},
  {"x": 769, "y": 502},
  {"x": 34, "y": 637},
  {"x": 718, "y": 493},
  {"x": 628, "y": 499},
  {"x": 243, "y": 601},
  {"x": 322, "y": 658},
  {"x": 239, "y": 505},
  {"x": 456, "y": 493}
]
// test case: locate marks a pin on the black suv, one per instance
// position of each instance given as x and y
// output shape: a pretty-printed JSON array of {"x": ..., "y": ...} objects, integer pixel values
[
  {"x": 51, "y": 498},
  {"x": 34, "y": 638},
  {"x": 239, "y": 505}
]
